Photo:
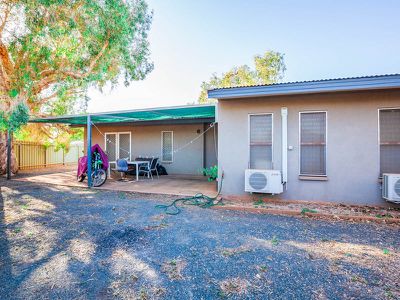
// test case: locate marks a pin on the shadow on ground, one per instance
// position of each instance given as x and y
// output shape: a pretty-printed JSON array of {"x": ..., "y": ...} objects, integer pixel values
[{"x": 60, "y": 242}]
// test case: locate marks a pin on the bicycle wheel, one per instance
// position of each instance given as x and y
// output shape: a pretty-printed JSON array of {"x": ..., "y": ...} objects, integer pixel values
[{"x": 99, "y": 176}]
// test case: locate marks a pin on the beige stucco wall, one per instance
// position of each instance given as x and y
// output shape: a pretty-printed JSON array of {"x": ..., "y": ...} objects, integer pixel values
[
  {"x": 211, "y": 145},
  {"x": 146, "y": 141},
  {"x": 352, "y": 143}
]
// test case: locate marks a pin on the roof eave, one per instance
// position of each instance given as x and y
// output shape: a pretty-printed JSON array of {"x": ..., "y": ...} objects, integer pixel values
[{"x": 336, "y": 85}]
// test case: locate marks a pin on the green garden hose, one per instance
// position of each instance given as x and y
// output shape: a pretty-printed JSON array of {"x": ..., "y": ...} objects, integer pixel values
[{"x": 199, "y": 200}]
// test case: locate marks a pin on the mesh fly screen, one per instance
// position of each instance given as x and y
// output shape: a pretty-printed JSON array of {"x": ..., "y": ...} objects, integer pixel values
[
  {"x": 111, "y": 141},
  {"x": 125, "y": 146},
  {"x": 313, "y": 143},
  {"x": 389, "y": 128},
  {"x": 167, "y": 146},
  {"x": 261, "y": 141}
]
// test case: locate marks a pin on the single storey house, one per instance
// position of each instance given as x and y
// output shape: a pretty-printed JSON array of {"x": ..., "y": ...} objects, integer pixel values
[
  {"x": 324, "y": 140},
  {"x": 329, "y": 140}
]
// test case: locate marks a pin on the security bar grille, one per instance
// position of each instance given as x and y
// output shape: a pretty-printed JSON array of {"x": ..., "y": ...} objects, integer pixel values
[
  {"x": 260, "y": 141},
  {"x": 167, "y": 146},
  {"x": 389, "y": 129},
  {"x": 313, "y": 143}
]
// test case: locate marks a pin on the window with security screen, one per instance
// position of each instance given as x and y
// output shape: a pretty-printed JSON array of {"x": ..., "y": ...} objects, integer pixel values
[
  {"x": 313, "y": 143},
  {"x": 111, "y": 143},
  {"x": 389, "y": 139},
  {"x": 260, "y": 140},
  {"x": 124, "y": 151},
  {"x": 167, "y": 146}
]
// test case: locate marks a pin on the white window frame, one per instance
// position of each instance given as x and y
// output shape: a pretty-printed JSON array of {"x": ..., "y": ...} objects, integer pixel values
[
  {"x": 272, "y": 136},
  {"x": 117, "y": 143},
  {"x": 162, "y": 145},
  {"x": 379, "y": 135},
  {"x": 326, "y": 143}
]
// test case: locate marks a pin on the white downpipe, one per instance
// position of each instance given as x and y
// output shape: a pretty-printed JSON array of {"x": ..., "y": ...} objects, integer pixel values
[{"x": 284, "y": 114}]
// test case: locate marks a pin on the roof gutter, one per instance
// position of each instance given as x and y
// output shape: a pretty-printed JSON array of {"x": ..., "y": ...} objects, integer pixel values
[{"x": 321, "y": 86}]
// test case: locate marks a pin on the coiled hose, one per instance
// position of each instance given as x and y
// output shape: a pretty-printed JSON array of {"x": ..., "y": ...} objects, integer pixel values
[{"x": 199, "y": 200}]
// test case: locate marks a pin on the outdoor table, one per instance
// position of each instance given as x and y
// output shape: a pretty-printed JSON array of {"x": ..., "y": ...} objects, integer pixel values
[{"x": 138, "y": 163}]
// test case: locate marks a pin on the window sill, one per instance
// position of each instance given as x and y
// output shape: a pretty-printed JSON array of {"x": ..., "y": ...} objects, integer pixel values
[
  {"x": 313, "y": 178},
  {"x": 166, "y": 162}
]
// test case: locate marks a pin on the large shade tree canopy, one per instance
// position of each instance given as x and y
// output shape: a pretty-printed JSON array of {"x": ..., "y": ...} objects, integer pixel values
[
  {"x": 52, "y": 51},
  {"x": 268, "y": 68}
]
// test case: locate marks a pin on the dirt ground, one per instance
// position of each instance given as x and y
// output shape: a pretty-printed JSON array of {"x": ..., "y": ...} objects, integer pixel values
[
  {"x": 71, "y": 243},
  {"x": 320, "y": 210}
]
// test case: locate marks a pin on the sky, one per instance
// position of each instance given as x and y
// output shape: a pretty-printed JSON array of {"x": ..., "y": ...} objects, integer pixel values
[{"x": 321, "y": 39}]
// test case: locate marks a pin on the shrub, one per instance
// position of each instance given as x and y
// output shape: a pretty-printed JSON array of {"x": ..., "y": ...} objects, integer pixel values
[{"x": 211, "y": 172}]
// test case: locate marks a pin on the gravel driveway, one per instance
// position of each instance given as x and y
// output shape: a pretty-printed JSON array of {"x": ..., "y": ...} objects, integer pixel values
[{"x": 64, "y": 243}]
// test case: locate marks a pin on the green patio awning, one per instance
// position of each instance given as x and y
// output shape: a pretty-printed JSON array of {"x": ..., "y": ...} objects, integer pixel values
[{"x": 189, "y": 112}]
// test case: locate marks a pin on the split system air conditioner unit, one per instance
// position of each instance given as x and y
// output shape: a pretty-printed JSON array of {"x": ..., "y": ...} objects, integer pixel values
[
  {"x": 391, "y": 188},
  {"x": 263, "y": 181}
]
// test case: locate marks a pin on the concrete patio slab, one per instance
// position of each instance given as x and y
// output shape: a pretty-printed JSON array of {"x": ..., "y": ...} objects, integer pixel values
[{"x": 181, "y": 185}]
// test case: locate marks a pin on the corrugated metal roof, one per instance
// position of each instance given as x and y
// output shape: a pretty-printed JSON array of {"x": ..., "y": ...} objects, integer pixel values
[
  {"x": 161, "y": 114},
  {"x": 311, "y": 86}
]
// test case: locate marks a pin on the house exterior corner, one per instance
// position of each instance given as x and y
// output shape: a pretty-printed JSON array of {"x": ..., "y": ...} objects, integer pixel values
[{"x": 351, "y": 141}]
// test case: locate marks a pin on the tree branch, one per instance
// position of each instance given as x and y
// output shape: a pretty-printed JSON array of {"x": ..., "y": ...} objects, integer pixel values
[
  {"x": 5, "y": 60},
  {"x": 52, "y": 76},
  {"x": 4, "y": 19}
]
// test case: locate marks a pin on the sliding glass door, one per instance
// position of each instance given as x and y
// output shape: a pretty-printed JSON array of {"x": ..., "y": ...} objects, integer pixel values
[{"x": 118, "y": 145}]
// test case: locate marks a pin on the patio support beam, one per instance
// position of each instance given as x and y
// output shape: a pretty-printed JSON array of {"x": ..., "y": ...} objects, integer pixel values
[
  {"x": 9, "y": 147},
  {"x": 89, "y": 150},
  {"x": 204, "y": 146}
]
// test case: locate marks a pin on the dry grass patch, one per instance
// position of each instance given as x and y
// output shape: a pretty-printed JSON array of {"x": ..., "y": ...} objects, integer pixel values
[
  {"x": 82, "y": 250},
  {"x": 228, "y": 252},
  {"x": 159, "y": 217},
  {"x": 53, "y": 274},
  {"x": 122, "y": 289},
  {"x": 357, "y": 253},
  {"x": 125, "y": 263},
  {"x": 156, "y": 227},
  {"x": 173, "y": 268},
  {"x": 382, "y": 261},
  {"x": 234, "y": 286}
]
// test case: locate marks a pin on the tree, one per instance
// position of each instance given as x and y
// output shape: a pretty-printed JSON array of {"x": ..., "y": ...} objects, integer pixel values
[
  {"x": 52, "y": 51},
  {"x": 268, "y": 68}
]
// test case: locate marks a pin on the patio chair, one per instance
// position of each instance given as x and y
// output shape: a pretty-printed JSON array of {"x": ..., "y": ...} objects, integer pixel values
[
  {"x": 150, "y": 168},
  {"x": 123, "y": 168}
]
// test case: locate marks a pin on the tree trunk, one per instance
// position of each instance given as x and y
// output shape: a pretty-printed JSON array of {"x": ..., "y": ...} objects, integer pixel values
[{"x": 3, "y": 155}]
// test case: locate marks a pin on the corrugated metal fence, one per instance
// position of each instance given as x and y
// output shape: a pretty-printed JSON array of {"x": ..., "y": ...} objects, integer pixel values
[{"x": 32, "y": 155}]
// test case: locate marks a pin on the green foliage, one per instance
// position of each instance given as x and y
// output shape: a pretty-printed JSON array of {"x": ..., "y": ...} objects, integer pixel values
[
  {"x": 387, "y": 215},
  {"x": 77, "y": 134},
  {"x": 268, "y": 68},
  {"x": 258, "y": 202},
  {"x": 274, "y": 241},
  {"x": 263, "y": 268},
  {"x": 13, "y": 121},
  {"x": 211, "y": 172},
  {"x": 308, "y": 210},
  {"x": 54, "y": 50}
]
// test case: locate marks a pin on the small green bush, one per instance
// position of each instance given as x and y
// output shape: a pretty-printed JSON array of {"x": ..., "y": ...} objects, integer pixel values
[{"x": 211, "y": 172}]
